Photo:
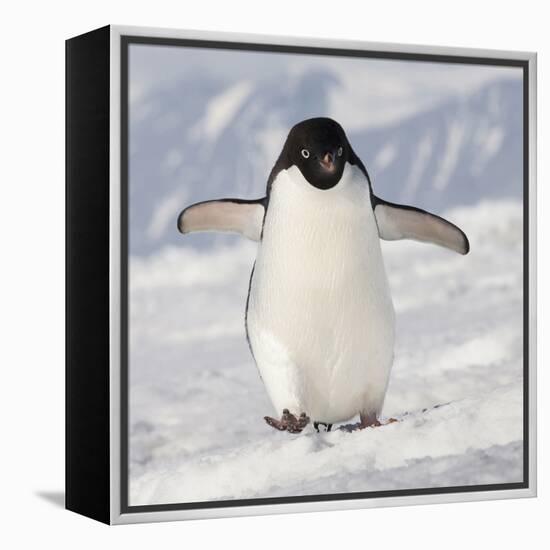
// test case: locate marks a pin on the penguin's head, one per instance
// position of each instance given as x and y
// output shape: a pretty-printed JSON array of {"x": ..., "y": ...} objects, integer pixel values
[{"x": 319, "y": 148}]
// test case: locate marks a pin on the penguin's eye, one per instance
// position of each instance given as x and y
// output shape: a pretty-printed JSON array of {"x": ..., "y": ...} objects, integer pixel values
[
  {"x": 305, "y": 153},
  {"x": 340, "y": 151}
]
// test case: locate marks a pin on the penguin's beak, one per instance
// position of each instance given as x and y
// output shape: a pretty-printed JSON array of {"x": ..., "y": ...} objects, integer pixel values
[{"x": 327, "y": 161}]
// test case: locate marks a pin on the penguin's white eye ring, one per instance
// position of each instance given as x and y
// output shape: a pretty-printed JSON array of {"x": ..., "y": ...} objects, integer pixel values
[
  {"x": 305, "y": 153},
  {"x": 340, "y": 151}
]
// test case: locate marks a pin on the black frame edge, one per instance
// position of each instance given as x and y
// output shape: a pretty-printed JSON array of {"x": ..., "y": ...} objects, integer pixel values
[{"x": 87, "y": 420}]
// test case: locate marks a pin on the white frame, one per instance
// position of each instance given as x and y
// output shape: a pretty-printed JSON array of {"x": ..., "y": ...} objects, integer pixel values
[{"x": 115, "y": 279}]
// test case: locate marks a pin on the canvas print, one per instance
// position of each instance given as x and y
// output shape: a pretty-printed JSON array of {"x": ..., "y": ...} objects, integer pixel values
[{"x": 325, "y": 275}]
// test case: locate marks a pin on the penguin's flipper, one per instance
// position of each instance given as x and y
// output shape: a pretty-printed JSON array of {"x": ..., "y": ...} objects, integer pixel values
[
  {"x": 397, "y": 222},
  {"x": 229, "y": 215}
]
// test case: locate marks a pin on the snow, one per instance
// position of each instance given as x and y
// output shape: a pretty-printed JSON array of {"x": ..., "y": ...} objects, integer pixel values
[
  {"x": 489, "y": 140},
  {"x": 164, "y": 214},
  {"x": 222, "y": 109},
  {"x": 418, "y": 167},
  {"x": 385, "y": 156},
  {"x": 197, "y": 402},
  {"x": 455, "y": 138}
]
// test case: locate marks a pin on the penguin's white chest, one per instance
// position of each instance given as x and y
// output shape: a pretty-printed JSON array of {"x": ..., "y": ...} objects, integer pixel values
[{"x": 320, "y": 318}]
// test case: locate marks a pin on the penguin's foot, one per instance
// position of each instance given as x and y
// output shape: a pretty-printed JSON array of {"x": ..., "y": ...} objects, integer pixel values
[
  {"x": 367, "y": 422},
  {"x": 328, "y": 427},
  {"x": 370, "y": 421},
  {"x": 288, "y": 422}
]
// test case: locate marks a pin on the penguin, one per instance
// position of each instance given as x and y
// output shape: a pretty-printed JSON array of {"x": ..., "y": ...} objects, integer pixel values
[{"x": 319, "y": 318}]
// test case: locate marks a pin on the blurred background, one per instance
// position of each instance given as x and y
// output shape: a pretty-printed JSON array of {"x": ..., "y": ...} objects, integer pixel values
[
  {"x": 211, "y": 123},
  {"x": 448, "y": 138}
]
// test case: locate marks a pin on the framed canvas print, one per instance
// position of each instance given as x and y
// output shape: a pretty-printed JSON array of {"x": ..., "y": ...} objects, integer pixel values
[{"x": 300, "y": 274}]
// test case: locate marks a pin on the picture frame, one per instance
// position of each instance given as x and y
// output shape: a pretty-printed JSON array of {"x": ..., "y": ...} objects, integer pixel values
[{"x": 98, "y": 248}]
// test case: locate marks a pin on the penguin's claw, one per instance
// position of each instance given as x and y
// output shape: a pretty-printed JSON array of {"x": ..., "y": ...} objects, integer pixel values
[
  {"x": 327, "y": 426},
  {"x": 288, "y": 422}
]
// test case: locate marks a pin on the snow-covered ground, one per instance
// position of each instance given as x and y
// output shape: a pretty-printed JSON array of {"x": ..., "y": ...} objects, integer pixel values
[{"x": 197, "y": 402}]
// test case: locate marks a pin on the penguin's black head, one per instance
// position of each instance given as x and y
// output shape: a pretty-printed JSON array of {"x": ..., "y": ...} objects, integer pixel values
[{"x": 319, "y": 148}]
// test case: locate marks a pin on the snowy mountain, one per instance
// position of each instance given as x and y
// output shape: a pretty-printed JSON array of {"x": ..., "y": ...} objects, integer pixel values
[
  {"x": 189, "y": 142},
  {"x": 462, "y": 151}
]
